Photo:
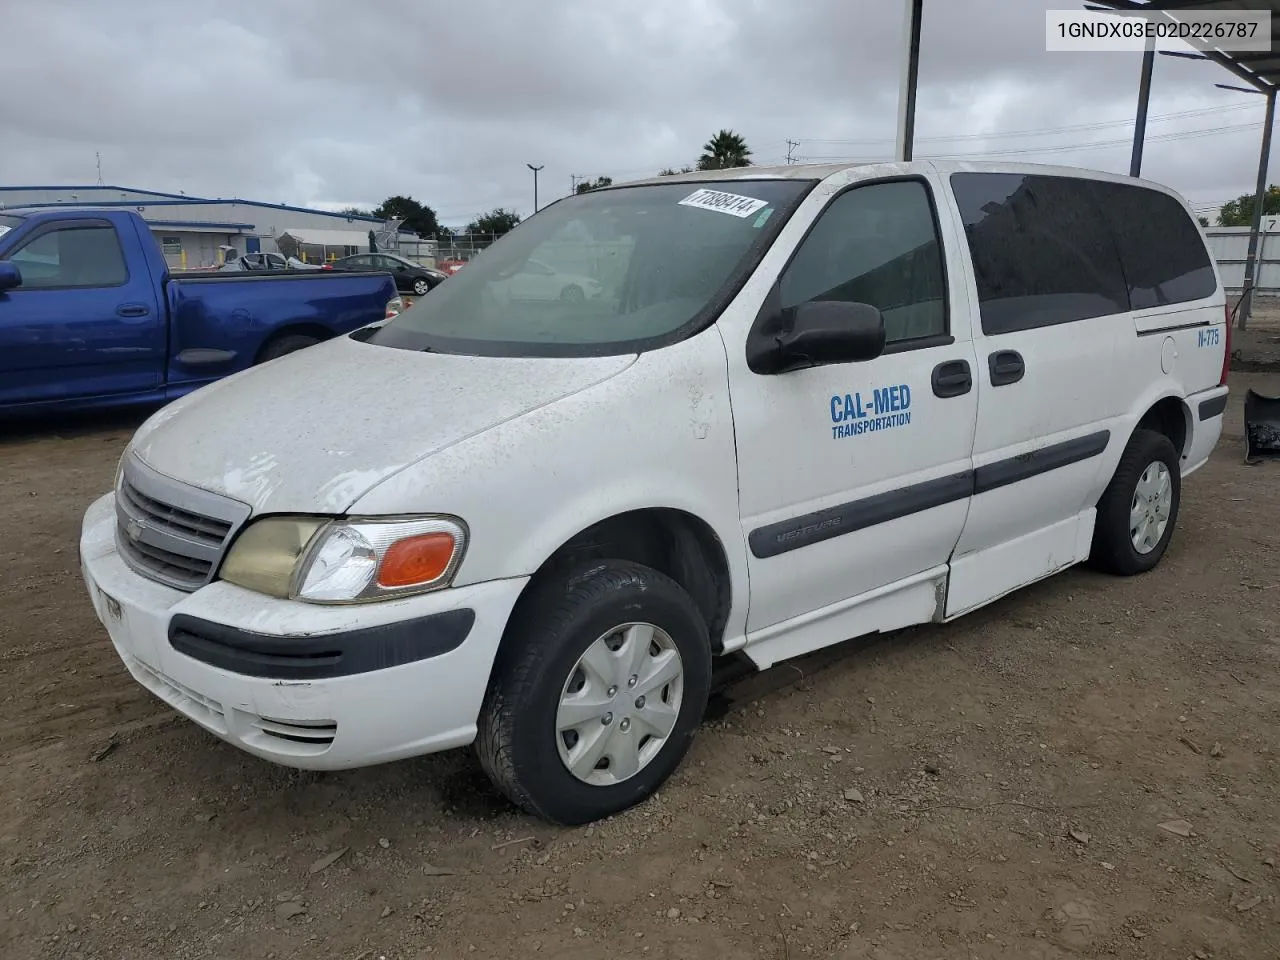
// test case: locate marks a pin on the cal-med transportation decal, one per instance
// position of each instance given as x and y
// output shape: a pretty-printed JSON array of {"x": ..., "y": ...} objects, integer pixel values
[{"x": 881, "y": 409}]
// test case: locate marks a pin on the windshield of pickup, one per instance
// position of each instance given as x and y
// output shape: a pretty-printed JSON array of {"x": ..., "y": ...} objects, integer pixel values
[{"x": 610, "y": 271}]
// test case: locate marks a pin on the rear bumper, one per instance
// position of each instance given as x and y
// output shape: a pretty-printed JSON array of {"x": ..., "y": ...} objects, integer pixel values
[
  {"x": 299, "y": 684},
  {"x": 1207, "y": 409}
]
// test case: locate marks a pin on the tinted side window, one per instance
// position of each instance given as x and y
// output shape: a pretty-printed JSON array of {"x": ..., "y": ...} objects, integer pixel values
[
  {"x": 876, "y": 244},
  {"x": 1164, "y": 255},
  {"x": 1042, "y": 253},
  {"x": 72, "y": 257}
]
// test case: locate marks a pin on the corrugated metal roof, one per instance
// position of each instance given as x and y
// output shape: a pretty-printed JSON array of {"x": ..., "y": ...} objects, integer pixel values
[{"x": 1259, "y": 69}]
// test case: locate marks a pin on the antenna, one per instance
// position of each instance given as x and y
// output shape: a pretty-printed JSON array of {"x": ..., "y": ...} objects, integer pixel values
[{"x": 98, "y": 156}]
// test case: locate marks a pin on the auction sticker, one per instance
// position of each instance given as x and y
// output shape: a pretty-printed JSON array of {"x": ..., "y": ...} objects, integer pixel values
[{"x": 721, "y": 202}]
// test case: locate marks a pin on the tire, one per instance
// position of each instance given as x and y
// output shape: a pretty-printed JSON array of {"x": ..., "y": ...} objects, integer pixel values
[
  {"x": 287, "y": 344},
  {"x": 538, "y": 672},
  {"x": 573, "y": 294},
  {"x": 1124, "y": 505},
  {"x": 421, "y": 287}
]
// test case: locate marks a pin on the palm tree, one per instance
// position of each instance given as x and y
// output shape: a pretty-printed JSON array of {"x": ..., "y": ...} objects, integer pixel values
[{"x": 726, "y": 149}]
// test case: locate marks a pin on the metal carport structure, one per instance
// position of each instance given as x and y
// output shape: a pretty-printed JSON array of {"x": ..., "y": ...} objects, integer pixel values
[{"x": 1260, "y": 70}]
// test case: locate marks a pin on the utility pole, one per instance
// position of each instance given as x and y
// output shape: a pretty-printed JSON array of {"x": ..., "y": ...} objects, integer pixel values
[
  {"x": 98, "y": 156},
  {"x": 535, "y": 183},
  {"x": 573, "y": 182},
  {"x": 791, "y": 145}
]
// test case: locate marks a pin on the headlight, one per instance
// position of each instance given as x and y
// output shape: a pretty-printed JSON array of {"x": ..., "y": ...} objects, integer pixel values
[{"x": 345, "y": 561}]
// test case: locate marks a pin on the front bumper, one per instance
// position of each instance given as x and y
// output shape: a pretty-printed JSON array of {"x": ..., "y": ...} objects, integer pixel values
[{"x": 316, "y": 687}]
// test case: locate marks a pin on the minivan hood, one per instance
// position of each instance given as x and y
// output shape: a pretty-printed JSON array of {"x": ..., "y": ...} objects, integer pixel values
[{"x": 316, "y": 429}]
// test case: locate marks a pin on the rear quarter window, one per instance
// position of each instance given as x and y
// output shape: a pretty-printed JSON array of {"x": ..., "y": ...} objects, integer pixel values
[
  {"x": 1042, "y": 252},
  {"x": 1164, "y": 255}
]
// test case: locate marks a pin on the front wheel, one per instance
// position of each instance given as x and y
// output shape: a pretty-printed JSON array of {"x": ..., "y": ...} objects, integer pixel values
[
  {"x": 1139, "y": 508},
  {"x": 420, "y": 287},
  {"x": 601, "y": 683}
]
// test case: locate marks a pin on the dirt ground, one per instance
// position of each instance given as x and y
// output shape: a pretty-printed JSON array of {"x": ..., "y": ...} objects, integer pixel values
[{"x": 995, "y": 788}]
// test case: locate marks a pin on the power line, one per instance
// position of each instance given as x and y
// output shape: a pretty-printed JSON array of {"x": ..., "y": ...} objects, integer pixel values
[
  {"x": 1107, "y": 144},
  {"x": 1066, "y": 147},
  {"x": 1044, "y": 131}
]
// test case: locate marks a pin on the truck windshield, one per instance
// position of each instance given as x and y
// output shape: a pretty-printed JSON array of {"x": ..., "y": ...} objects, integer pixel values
[{"x": 606, "y": 272}]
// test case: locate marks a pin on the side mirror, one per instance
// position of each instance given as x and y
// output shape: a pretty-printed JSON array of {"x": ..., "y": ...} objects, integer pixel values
[
  {"x": 815, "y": 334},
  {"x": 10, "y": 276}
]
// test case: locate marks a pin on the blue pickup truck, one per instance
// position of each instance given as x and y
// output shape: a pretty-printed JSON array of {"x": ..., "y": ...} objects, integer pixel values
[{"x": 91, "y": 316}]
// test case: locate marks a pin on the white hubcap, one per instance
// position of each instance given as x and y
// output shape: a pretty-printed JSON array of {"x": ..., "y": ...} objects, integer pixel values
[
  {"x": 619, "y": 704},
  {"x": 1152, "y": 503}
]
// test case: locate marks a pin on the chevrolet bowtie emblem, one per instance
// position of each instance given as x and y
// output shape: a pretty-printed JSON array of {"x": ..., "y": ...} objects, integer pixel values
[{"x": 134, "y": 529}]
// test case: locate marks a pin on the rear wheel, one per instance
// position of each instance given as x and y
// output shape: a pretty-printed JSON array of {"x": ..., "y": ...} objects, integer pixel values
[
  {"x": 1138, "y": 510},
  {"x": 286, "y": 344},
  {"x": 597, "y": 692}
]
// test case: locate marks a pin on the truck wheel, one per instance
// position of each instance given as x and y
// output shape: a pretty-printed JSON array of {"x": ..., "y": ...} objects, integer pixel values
[
  {"x": 1139, "y": 508},
  {"x": 602, "y": 681},
  {"x": 282, "y": 345}
]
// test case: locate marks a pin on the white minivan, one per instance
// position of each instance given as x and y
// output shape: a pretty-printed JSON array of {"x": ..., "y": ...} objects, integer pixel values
[{"x": 802, "y": 404}]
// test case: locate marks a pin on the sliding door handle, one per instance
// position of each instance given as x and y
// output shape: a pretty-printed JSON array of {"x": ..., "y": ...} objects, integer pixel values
[{"x": 1006, "y": 367}]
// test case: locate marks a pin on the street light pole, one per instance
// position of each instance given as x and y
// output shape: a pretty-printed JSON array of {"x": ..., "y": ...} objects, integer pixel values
[{"x": 535, "y": 184}]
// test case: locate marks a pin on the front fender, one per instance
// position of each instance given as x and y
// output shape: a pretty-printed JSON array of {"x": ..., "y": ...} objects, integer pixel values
[{"x": 658, "y": 435}]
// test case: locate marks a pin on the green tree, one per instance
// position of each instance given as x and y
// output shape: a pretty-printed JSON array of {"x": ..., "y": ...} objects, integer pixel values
[
  {"x": 416, "y": 216},
  {"x": 494, "y": 223},
  {"x": 724, "y": 151},
  {"x": 586, "y": 186},
  {"x": 1239, "y": 212},
  {"x": 355, "y": 212},
  {"x": 669, "y": 172},
  {"x": 1204, "y": 221}
]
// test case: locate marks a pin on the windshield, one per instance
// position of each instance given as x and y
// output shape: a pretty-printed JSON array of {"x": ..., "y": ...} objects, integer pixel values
[{"x": 610, "y": 271}]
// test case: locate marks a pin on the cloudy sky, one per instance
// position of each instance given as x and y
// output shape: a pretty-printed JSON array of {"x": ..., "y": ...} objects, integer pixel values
[{"x": 328, "y": 103}]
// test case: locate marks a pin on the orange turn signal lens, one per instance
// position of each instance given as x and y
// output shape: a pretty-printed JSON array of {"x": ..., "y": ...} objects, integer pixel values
[{"x": 416, "y": 560}]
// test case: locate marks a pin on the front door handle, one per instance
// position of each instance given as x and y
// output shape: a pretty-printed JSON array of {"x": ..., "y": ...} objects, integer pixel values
[
  {"x": 1006, "y": 367},
  {"x": 132, "y": 310},
  {"x": 952, "y": 378}
]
